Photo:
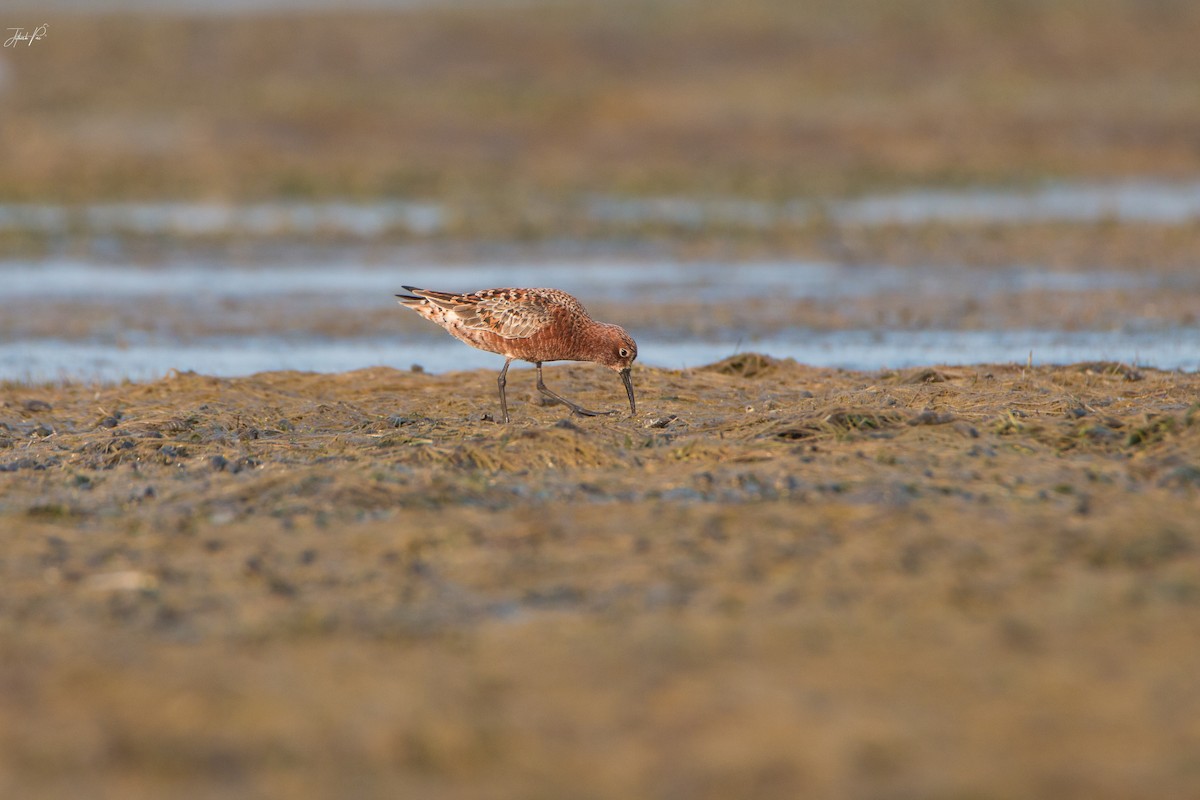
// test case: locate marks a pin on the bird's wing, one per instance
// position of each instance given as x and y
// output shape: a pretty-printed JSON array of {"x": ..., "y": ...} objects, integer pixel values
[
  {"x": 507, "y": 316},
  {"x": 508, "y": 313}
]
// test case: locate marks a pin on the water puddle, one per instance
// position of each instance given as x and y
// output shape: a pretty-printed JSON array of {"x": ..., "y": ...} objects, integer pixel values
[
  {"x": 263, "y": 219},
  {"x": 1136, "y": 201},
  {"x": 1129, "y": 201}
]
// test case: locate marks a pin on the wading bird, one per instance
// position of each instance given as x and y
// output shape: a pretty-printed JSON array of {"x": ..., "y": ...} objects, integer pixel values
[{"x": 533, "y": 325}]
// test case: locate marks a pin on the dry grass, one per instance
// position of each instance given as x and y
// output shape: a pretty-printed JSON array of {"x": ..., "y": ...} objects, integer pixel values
[{"x": 777, "y": 581}]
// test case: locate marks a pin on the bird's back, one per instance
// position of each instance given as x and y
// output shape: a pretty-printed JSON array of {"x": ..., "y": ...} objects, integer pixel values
[{"x": 529, "y": 324}]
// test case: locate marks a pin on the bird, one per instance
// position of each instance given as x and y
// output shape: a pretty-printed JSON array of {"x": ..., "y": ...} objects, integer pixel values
[{"x": 534, "y": 325}]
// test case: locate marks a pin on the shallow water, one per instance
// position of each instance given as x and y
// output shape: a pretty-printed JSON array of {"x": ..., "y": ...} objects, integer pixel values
[
  {"x": 356, "y": 219},
  {"x": 50, "y": 360},
  {"x": 102, "y": 318},
  {"x": 1121, "y": 201},
  {"x": 1131, "y": 201},
  {"x": 1127, "y": 201},
  {"x": 610, "y": 279}
]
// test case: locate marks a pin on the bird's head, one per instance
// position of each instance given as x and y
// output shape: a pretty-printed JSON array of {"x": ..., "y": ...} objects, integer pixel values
[{"x": 617, "y": 350}]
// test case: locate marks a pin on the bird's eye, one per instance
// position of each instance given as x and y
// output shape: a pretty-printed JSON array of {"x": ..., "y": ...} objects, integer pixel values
[{"x": 623, "y": 353}]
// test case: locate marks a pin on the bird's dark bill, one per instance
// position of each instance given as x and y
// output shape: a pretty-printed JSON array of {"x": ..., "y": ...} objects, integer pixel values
[{"x": 625, "y": 376}]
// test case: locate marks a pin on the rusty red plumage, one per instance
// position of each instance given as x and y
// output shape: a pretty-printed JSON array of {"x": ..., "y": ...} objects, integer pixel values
[{"x": 533, "y": 325}]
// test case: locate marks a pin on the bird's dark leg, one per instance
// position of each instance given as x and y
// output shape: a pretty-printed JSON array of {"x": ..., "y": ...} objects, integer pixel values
[
  {"x": 578, "y": 409},
  {"x": 501, "y": 381}
]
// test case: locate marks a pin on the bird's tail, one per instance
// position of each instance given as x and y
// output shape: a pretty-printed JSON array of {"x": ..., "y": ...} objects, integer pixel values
[
  {"x": 418, "y": 296},
  {"x": 410, "y": 300}
]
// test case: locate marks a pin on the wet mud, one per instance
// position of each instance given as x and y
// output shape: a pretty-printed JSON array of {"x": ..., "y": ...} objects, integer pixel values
[{"x": 775, "y": 581}]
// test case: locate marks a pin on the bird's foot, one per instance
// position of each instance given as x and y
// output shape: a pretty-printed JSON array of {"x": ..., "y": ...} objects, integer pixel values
[
  {"x": 575, "y": 407},
  {"x": 587, "y": 412}
]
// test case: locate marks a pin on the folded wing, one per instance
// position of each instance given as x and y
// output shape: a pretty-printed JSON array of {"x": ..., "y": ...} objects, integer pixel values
[{"x": 506, "y": 313}]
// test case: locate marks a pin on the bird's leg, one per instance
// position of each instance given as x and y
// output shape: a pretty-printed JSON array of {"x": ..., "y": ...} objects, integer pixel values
[
  {"x": 578, "y": 409},
  {"x": 501, "y": 381}
]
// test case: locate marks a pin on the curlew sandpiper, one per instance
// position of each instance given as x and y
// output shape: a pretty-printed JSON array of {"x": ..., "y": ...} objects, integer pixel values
[{"x": 533, "y": 325}]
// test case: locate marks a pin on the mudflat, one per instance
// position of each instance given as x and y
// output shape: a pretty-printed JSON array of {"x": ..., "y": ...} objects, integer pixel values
[
  {"x": 775, "y": 581},
  {"x": 507, "y": 115}
]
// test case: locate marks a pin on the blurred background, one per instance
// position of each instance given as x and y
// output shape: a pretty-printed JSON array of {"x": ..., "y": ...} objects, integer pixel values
[{"x": 850, "y": 182}]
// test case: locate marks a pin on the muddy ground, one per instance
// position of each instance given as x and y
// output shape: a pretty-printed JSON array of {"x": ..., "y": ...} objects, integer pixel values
[{"x": 775, "y": 581}]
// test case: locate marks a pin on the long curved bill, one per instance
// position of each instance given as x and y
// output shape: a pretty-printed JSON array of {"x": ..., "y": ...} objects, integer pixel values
[{"x": 625, "y": 376}]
